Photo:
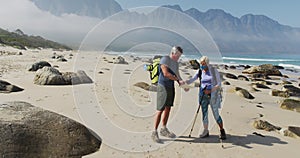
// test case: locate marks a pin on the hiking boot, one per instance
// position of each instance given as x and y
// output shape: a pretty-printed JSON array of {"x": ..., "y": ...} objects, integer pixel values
[
  {"x": 155, "y": 137},
  {"x": 204, "y": 134},
  {"x": 222, "y": 134},
  {"x": 165, "y": 132}
]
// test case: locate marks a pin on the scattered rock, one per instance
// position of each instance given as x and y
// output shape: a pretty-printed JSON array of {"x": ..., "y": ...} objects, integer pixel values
[
  {"x": 243, "y": 93},
  {"x": 252, "y": 89},
  {"x": 279, "y": 93},
  {"x": 258, "y": 85},
  {"x": 264, "y": 125},
  {"x": 292, "y": 70},
  {"x": 292, "y": 90},
  {"x": 62, "y": 59},
  {"x": 261, "y": 115},
  {"x": 232, "y": 67},
  {"x": 292, "y": 131},
  {"x": 259, "y": 106},
  {"x": 225, "y": 67},
  {"x": 59, "y": 56},
  {"x": 225, "y": 83},
  {"x": 267, "y": 83},
  {"x": 6, "y": 87},
  {"x": 146, "y": 86},
  {"x": 39, "y": 65},
  {"x": 260, "y": 75},
  {"x": 279, "y": 67},
  {"x": 247, "y": 67},
  {"x": 290, "y": 104},
  {"x": 143, "y": 85},
  {"x": 28, "y": 131},
  {"x": 284, "y": 82},
  {"x": 285, "y": 76},
  {"x": 266, "y": 69},
  {"x": 7, "y": 52},
  {"x": 242, "y": 77},
  {"x": 232, "y": 76},
  {"x": 120, "y": 60}
]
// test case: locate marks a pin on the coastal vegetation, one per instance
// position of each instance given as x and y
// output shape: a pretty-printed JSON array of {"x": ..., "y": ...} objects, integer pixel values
[{"x": 20, "y": 40}]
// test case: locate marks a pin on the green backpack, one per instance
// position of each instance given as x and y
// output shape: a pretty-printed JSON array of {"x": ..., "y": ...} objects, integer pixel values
[{"x": 154, "y": 70}]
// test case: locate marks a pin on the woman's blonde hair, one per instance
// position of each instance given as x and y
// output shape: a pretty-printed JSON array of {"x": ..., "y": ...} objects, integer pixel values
[{"x": 205, "y": 59}]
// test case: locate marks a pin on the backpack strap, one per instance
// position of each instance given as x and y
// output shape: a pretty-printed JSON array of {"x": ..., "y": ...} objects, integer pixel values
[
  {"x": 200, "y": 76},
  {"x": 155, "y": 71}
]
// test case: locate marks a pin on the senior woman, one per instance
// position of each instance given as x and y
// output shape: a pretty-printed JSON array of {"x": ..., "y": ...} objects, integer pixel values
[{"x": 210, "y": 82}]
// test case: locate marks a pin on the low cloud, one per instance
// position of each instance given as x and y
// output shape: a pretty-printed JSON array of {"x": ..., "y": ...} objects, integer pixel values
[{"x": 24, "y": 15}]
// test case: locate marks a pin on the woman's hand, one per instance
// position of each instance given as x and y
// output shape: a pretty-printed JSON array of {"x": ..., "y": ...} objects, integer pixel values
[{"x": 207, "y": 91}]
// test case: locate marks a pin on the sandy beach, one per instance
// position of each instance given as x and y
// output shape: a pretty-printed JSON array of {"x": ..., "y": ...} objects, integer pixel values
[{"x": 122, "y": 114}]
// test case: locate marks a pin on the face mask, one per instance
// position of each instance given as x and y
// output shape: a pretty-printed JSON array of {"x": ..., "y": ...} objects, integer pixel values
[{"x": 202, "y": 67}]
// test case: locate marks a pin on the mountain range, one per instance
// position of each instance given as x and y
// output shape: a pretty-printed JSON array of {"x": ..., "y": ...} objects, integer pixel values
[{"x": 249, "y": 33}]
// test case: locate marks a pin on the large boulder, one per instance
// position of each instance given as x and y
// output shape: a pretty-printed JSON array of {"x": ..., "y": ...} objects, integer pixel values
[
  {"x": 39, "y": 65},
  {"x": 48, "y": 76},
  {"x": 6, "y": 87},
  {"x": 28, "y": 131},
  {"x": 267, "y": 69},
  {"x": 80, "y": 77},
  {"x": 51, "y": 76}
]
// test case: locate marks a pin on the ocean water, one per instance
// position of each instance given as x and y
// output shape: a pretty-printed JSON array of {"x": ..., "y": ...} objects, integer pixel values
[
  {"x": 285, "y": 60},
  {"x": 288, "y": 61}
]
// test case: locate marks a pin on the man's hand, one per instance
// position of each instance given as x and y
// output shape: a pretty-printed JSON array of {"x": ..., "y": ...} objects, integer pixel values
[
  {"x": 181, "y": 82},
  {"x": 186, "y": 89}
]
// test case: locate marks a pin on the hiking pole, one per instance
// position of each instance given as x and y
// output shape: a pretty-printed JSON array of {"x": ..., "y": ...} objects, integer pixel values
[
  {"x": 222, "y": 144},
  {"x": 196, "y": 113}
]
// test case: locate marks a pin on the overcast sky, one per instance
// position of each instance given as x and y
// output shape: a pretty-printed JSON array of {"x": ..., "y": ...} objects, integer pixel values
[
  {"x": 24, "y": 15},
  {"x": 286, "y": 12}
]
